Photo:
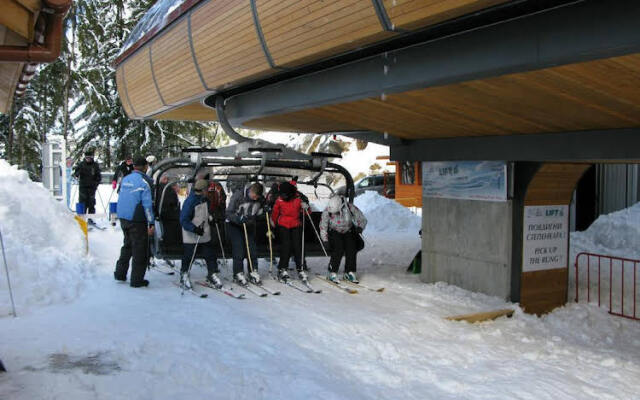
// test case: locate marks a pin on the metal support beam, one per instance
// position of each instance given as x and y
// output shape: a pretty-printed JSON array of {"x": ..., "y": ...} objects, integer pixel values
[
  {"x": 587, "y": 146},
  {"x": 578, "y": 32}
]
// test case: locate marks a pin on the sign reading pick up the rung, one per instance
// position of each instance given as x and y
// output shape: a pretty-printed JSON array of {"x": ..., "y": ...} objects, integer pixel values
[{"x": 546, "y": 237}]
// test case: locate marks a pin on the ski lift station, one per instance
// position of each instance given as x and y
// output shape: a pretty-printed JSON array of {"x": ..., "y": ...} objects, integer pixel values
[
  {"x": 513, "y": 127},
  {"x": 506, "y": 105}
]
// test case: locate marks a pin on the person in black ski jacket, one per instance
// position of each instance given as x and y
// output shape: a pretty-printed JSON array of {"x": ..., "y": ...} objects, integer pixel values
[
  {"x": 168, "y": 210},
  {"x": 124, "y": 169},
  {"x": 88, "y": 173},
  {"x": 244, "y": 212}
]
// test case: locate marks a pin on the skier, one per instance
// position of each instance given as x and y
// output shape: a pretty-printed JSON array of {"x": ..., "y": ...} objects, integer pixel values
[
  {"x": 286, "y": 217},
  {"x": 88, "y": 173},
  {"x": 340, "y": 227},
  {"x": 196, "y": 235},
  {"x": 124, "y": 169},
  {"x": 135, "y": 211},
  {"x": 242, "y": 214},
  {"x": 151, "y": 159},
  {"x": 168, "y": 208},
  {"x": 217, "y": 205}
]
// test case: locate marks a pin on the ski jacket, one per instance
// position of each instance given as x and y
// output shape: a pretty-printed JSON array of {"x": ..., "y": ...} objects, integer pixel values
[
  {"x": 287, "y": 213},
  {"x": 169, "y": 203},
  {"x": 195, "y": 212},
  {"x": 88, "y": 174},
  {"x": 342, "y": 221},
  {"x": 241, "y": 206},
  {"x": 135, "y": 203},
  {"x": 121, "y": 171}
]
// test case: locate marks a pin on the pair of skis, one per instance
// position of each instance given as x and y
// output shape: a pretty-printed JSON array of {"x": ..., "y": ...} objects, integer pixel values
[
  {"x": 348, "y": 286},
  {"x": 305, "y": 288},
  {"x": 258, "y": 290}
]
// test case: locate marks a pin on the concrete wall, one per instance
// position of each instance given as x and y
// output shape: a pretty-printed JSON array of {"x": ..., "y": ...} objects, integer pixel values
[{"x": 468, "y": 244}]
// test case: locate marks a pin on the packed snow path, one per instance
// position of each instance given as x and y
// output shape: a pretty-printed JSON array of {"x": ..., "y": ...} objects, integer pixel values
[{"x": 115, "y": 342}]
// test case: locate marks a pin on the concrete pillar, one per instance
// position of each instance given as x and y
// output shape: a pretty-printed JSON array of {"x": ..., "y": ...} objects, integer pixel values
[{"x": 478, "y": 245}]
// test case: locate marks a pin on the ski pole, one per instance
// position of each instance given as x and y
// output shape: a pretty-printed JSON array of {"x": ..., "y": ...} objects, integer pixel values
[
  {"x": 318, "y": 236},
  {"x": 6, "y": 269},
  {"x": 246, "y": 238},
  {"x": 226, "y": 264},
  {"x": 302, "y": 256},
  {"x": 270, "y": 244},
  {"x": 193, "y": 257},
  {"x": 101, "y": 200}
]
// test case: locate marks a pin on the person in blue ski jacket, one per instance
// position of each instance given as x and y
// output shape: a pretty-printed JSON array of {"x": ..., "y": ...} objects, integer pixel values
[
  {"x": 196, "y": 235},
  {"x": 135, "y": 211}
]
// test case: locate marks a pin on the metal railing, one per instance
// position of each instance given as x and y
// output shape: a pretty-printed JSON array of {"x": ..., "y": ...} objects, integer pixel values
[{"x": 613, "y": 282}]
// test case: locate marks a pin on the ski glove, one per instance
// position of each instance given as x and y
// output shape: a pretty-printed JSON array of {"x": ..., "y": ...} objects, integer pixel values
[
  {"x": 305, "y": 206},
  {"x": 358, "y": 230},
  {"x": 114, "y": 184},
  {"x": 198, "y": 231}
]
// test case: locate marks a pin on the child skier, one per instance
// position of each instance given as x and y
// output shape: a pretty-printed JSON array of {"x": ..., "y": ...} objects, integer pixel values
[
  {"x": 196, "y": 234},
  {"x": 340, "y": 224},
  {"x": 286, "y": 217},
  {"x": 242, "y": 214}
]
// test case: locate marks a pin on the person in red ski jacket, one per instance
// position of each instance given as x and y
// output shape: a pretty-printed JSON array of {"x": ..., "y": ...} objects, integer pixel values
[{"x": 287, "y": 218}]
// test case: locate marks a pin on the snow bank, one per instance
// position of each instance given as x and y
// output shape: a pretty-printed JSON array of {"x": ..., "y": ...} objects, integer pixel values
[
  {"x": 615, "y": 234},
  {"x": 386, "y": 215},
  {"x": 44, "y": 246}
]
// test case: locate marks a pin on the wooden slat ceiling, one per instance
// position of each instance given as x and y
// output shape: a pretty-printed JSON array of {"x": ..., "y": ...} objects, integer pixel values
[
  {"x": 223, "y": 48},
  {"x": 190, "y": 112},
  {"x": 601, "y": 94},
  {"x": 9, "y": 71},
  {"x": 19, "y": 16}
]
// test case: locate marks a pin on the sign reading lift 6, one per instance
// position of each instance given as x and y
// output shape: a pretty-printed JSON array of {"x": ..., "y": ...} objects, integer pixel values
[{"x": 546, "y": 237}]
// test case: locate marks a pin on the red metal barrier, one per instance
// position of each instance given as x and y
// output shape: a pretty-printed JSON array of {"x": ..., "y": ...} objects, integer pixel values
[{"x": 602, "y": 261}]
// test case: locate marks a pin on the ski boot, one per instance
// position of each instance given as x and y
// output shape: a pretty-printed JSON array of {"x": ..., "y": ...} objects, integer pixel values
[
  {"x": 283, "y": 275},
  {"x": 303, "y": 276},
  {"x": 214, "y": 280},
  {"x": 332, "y": 277},
  {"x": 185, "y": 282},
  {"x": 254, "y": 277},
  {"x": 240, "y": 279},
  {"x": 351, "y": 277}
]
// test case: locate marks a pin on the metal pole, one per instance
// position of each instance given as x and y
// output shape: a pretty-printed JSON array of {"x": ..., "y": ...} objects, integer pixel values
[
  {"x": 6, "y": 269},
  {"x": 318, "y": 236},
  {"x": 246, "y": 238},
  {"x": 193, "y": 256},
  {"x": 270, "y": 243},
  {"x": 226, "y": 264}
]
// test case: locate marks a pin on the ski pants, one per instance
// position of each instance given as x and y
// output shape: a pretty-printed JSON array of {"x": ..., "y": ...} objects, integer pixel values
[
  {"x": 205, "y": 250},
  {"x": 239, "y": 247},
  {"x": 136, "y": 246},
  {"x": 342, "y": 244},
  {"x": 87, "y": 196},
  {"x": 290, "y": 240}
]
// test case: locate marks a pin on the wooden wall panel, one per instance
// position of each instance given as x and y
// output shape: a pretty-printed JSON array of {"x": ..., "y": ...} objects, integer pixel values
[
  {"x": 189, "y": 112},
  {"x": 122, "y": 92},
  {"x": 300, "y": 31},
  {"x": 139, "y": 82},
  {"x": 591, "y": 95},
  {"x": 542, "y": 291},
  {"x": 173, "y": 65},
  {"x": 226, "y": 44},
  {"x": 553, "y": 184},
  {"x": 414, "y": 14}
]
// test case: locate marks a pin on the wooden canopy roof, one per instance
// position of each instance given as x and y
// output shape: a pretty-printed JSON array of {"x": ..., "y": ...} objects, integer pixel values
[{"x": 27, "y": 37}]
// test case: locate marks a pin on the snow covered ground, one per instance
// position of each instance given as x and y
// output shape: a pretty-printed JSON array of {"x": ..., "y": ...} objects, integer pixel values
[{"x": 105, "y": 340}]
